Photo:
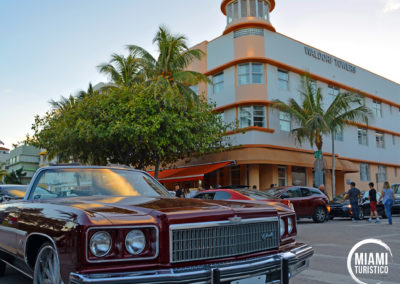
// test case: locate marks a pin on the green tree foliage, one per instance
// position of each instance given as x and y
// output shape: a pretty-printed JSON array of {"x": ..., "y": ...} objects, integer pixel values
[
  {"x": 15, "y": 177},
  {"x": 312, "y": 119},
  {"x": 143, "y": 127}
]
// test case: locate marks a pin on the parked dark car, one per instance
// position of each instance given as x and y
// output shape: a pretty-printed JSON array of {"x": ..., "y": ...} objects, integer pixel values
[
  {"x": 117, "y": 225},
  {"x": 10, "y": 192},
  {"x": 308, "y": 202},
  {"x": 340, "y": 207}
]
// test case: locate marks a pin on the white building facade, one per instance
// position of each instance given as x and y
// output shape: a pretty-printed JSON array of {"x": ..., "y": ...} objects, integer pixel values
[{"x": 251, "y": 65}]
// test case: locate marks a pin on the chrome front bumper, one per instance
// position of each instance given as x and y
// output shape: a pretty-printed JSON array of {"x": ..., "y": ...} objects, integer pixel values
[{"x": 278, "y": 268}]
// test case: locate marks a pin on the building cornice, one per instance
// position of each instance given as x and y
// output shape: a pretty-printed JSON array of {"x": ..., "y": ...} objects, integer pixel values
[
  {"x": 326, "y": 154},
  {"x": 250, "y": 128},
  {"x": 298, "y": 71},
  {"x": 252, "y": 24}
]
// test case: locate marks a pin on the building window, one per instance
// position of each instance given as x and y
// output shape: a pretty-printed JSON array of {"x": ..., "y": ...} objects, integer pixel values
[
  {"x": 362, "y": 136},
  {"x": 299, "y": 176},
  {"x": 285, "y": 121},
  {"x": 251, "y": 73},
  {"x": 283, "y": 80},
  {"x": 252, "y": 116},
  {"x": 282, "y": 176},
  {"x": 218, "y": 83},
  {"x": 365, "y": 173},
  {"x": 339, "y": 135},
  {"x": 382, "y": 177},
  {"x": 195, "y": 89},
  {"x": 377, "y": 108},
  {"x": 247, "y": 8},
  {"x": 235, "y": 174},
  {"x": 333, "y": 92},
  {"x": 247, "y": 32},
  {"x": 380, "y": 140}
]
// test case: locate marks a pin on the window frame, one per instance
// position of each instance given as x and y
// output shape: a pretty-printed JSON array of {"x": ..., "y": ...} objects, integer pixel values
[
  {"x": 364, "y": 134},
  {"x": 283, "y": 80},
  {"x": 377, "y": 108},
  {"x": 380, "y": 140},
  {"x": 249, "y": 73},
  {"x": 252, "y": 116},
  {"x": 287, "y": 119},
  {"x": 365, "y": 172},
  {"x": 218, "y": 86}
]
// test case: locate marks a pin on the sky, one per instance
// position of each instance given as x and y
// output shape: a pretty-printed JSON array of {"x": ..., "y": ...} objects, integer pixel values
[{"x": 51, "y": 48}]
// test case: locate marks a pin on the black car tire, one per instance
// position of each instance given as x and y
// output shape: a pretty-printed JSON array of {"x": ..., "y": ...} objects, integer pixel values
[
  {"x": 47, "y": 256},
  {"x": 319, "y": 215},
  {"x": 3, "y": 267}
]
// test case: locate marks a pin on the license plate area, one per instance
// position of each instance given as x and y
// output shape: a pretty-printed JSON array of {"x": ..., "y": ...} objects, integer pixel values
[{"x": 262, "y": 279}]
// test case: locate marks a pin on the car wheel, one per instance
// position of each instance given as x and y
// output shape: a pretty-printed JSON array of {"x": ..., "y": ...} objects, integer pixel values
[
  {"x": 47, "y": 266},
  {"x": 319, "y": 215},
  {"x": 360, "y": 214},
  {"x": 3, "y": 267}
]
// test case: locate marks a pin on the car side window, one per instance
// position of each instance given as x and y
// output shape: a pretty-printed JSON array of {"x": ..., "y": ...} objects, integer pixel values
[
  {"x": 293, "y": 193},
  {"x": 305, "y": 192},
  {"x": 222, "y": 195},
  {"x": 315, "y": 192},
  {"x": 207, "y": 196}
]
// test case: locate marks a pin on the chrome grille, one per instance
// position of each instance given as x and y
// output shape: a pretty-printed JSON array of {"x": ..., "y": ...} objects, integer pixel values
[{"x": 190, "y": 242}]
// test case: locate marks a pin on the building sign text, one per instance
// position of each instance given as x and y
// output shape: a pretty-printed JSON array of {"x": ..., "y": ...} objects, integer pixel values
[{"x": 329, "y": 59}]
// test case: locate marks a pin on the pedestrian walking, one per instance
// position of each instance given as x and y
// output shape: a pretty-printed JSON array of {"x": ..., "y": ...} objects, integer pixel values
[
  {"x": 387, "y": 198},
  {"x": 372, "y": 203},
  {"x": 354, "y": 195}
]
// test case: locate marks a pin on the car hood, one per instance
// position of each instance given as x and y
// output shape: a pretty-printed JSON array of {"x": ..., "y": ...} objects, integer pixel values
[{"x": 123, "y": 210}]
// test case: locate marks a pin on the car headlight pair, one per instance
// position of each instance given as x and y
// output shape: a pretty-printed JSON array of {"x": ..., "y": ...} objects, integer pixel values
[
  {"x": 282, "y": 226},
  {"x": 101, "y": 243}
]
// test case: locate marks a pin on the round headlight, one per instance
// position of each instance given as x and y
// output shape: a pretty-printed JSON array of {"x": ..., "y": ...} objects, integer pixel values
[
  {"x": 100, "y": 244},
  {"x": 135, "y": 242},
  {"x": 282, "y": 226},
  {"x": 290, "y": 225}
]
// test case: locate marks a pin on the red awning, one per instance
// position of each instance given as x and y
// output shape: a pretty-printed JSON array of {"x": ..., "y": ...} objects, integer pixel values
[{"x": 188, "y": 173}]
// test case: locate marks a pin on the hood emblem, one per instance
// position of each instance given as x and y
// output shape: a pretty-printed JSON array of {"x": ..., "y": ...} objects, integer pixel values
[
  {"x": 235, "y": 219},
  {"x": 266, "y": 236}
]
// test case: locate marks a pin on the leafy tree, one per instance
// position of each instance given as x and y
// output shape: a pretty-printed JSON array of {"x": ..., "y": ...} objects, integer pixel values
[
  {"x": 313, "y": 119},
  {"x": 15, "y": 177},
  {"x": 132, "y": 127}
]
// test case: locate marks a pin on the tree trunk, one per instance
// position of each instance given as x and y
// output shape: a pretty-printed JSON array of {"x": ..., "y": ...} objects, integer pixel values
[{"x": 157, "y": 167}]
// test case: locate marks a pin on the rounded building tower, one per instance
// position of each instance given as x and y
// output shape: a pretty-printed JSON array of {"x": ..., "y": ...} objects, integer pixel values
[{"x": 247, "y": 14}]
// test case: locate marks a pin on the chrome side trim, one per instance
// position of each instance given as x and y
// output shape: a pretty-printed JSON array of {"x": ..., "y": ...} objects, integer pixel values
[
  {"x": 121, "y": 227},
  {"x": 16, "y": 268}
]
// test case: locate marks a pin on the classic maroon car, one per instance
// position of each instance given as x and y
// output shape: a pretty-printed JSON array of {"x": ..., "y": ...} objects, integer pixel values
[
  {"x": 308, "y": 202},
  {"x": 117, "y": 225}
]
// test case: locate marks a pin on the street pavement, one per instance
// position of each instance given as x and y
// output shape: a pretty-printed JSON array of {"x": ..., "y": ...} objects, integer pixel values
[{"x": 332, "y": 241}]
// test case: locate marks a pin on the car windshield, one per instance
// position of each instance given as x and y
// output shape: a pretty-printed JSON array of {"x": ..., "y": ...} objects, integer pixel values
[
  {"x": 15, "y": 192},
  {"x": 276, "y": 191},
  {"x": 257, "y": 195},
  {"x": 74, "y": 182}
]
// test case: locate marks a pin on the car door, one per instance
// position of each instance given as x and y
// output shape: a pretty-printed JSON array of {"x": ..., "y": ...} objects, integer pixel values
[
  {"x": 294, "y": 196},
  {"x": 9, "y": 214},
  {"x": 308, "y": 201}
]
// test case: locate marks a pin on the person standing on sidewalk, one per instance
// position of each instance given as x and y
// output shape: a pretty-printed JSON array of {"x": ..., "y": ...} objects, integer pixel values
[
  {"x": 354, "y": 195},
  {"x": 372, "y": 203},
  {"x": 388, "y": 200}
]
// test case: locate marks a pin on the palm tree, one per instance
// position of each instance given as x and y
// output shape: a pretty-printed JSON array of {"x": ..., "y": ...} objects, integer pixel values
[
  {"x": 174, "y": 56},
  {"x": 314, "y": 120},
  {"x": 124, "y": 72}
]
